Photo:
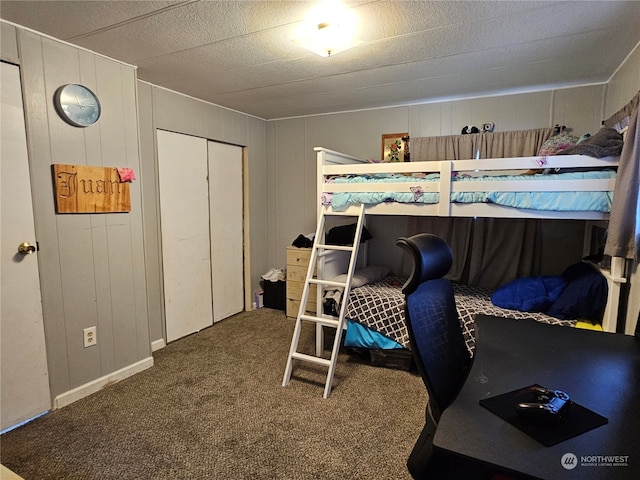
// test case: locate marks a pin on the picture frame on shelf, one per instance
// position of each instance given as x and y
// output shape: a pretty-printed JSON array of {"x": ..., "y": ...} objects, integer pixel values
[{"x": 394, "y": 147}]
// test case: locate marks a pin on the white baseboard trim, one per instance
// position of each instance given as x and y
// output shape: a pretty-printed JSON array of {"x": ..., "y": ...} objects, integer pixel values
[
  {"x": 98, "y": 384},
  {"x": 158, "y": 344}
]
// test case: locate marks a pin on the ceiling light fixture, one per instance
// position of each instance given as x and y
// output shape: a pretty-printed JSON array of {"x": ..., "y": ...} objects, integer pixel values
[{"x": 329, "y": 28}]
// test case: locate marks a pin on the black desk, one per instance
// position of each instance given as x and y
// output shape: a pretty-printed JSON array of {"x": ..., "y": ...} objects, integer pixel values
[{"x": 600, "y": 371}]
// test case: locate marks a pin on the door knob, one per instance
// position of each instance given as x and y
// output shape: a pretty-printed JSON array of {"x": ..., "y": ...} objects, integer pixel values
[{"x": 26, "y": 248}]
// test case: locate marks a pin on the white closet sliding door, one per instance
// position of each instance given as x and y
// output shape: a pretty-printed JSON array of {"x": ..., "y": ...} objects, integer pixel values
[
  {"x": 201, "y": 216},
  {"x": 184, "y": 215},
  {"x": 225, "y": 194}
]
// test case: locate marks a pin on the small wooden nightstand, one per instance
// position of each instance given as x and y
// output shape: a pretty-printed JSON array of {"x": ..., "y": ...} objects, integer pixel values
[{"x": 297, "y": 266}]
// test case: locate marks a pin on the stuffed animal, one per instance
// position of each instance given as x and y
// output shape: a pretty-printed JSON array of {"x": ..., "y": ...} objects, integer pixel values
[{"x": 486, "y": 128}]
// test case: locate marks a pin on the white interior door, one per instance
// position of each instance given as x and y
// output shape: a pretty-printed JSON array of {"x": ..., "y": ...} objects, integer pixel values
[
  {"x": 24, "y": 380},
  {"x": 184, "y": 216},
  {"x": 225, "y": 196}
]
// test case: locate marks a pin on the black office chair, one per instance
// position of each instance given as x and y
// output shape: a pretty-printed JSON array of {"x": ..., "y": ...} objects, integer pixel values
[{"x": 436, "y": 339}]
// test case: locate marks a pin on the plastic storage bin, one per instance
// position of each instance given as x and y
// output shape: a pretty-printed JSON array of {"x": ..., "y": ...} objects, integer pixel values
[{"x": 274, "y": 294}]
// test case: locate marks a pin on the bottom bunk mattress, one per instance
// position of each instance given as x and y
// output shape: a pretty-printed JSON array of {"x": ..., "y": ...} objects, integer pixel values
[{"x": 379, "y": 306}]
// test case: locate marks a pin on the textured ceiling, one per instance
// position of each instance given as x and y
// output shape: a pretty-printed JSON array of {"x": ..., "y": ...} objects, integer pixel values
[{"x": 239, "y": 54}]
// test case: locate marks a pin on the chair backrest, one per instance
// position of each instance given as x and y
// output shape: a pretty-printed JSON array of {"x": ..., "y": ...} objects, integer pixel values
[{"x": 435, "y": 333}]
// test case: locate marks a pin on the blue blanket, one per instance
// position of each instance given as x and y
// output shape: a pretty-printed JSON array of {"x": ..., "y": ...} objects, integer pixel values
[
  {"x": 531, "y": 294},
  {"x": 579, "y": 293}
]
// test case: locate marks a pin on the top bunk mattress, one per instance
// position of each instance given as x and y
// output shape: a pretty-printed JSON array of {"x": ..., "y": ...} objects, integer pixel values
[
  {"x": 420, "y": 189},
  {"x": 555, "y": 186}
]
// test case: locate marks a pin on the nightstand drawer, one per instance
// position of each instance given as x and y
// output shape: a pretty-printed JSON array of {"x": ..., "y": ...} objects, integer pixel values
[
  {"x": 296, "y": 273},
  {"x": 294, "y": 305},
  {"x": 294, "y": 290},
  {"x": 298, "y": 256}
]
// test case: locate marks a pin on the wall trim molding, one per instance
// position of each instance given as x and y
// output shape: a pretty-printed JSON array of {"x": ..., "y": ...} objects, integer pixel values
[
  {"x": 64, "y": 42},
  {"x": 158, "y": 344},
  {"x": 98, "y": 384}
]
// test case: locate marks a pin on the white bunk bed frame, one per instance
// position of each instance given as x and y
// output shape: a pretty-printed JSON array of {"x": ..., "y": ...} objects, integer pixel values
[{"x": 331, "y": 163}]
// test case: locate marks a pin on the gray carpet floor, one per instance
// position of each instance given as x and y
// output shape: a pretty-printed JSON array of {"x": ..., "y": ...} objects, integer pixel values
[{"x": 213, "y": 407}]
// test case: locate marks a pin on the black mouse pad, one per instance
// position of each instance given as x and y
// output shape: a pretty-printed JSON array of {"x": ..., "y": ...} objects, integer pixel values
[{"x": 574, "y": 422}]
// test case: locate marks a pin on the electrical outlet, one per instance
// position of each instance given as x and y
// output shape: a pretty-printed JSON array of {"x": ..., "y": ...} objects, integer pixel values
[{"x": 90, "y": 337}]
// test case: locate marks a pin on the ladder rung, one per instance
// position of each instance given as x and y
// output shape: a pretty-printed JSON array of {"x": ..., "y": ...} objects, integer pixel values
[
  {"x": 330, "y": 283},
  {"x": 343, "y": 248},
  {"x": 328, "y": 321},
  {"x": 310, "y": 358},
  {"x": 340, "y": 214}
]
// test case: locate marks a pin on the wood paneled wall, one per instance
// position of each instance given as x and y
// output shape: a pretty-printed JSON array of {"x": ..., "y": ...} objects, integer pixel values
[
  {"x": 292, "y": 168},
  {"x": 91, "y": 265},
  {"x": 106, "y": 270},
  {"x": 624, "y": 84}
]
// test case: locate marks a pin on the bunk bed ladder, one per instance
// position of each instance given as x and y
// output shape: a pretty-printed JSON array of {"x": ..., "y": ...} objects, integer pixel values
[{"x": 321, "y": 319}]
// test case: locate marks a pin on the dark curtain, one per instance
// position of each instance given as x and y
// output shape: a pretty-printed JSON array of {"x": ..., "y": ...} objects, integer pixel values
[
  {"x": 504, "y": 249},
  {"x": 457, "y": 232},
  {"x": 624, "y": 226},
  {"x": 488, "y": 252}
]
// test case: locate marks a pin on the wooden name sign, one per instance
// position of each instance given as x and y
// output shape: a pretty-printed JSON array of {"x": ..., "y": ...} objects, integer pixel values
[{"x": 83, "y": 189}]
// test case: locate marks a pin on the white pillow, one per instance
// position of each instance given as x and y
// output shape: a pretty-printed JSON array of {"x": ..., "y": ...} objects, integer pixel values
[{"x": 365, "y": 275}]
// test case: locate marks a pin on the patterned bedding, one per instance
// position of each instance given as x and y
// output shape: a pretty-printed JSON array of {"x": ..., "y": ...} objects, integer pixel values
[
  {"x": 592, "y": 201},
  {"x": 380, "y": 306}
]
